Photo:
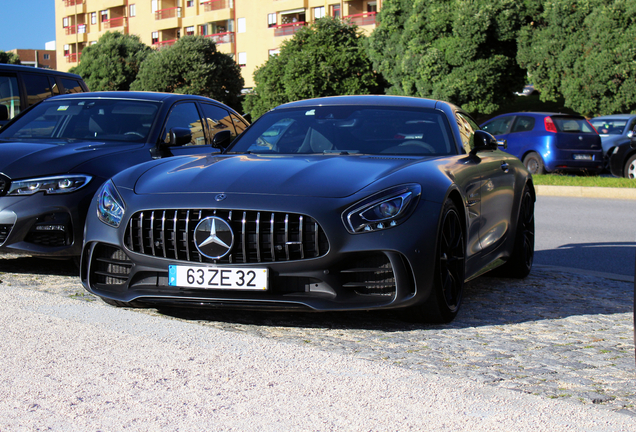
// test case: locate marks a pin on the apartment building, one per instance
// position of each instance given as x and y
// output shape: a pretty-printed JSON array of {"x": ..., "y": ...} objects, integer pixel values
[{"x": 248, "y": 30}]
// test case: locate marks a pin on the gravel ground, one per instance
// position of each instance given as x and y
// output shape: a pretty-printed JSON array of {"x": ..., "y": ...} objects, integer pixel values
[{"x": 554, "y": 343}]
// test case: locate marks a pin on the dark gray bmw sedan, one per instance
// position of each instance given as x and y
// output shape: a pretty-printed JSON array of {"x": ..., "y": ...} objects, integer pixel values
[{"x": 342, "y": 203}]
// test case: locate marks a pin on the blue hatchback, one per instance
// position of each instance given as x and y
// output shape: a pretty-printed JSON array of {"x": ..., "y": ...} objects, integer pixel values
[{"x": 548, "y": 142}]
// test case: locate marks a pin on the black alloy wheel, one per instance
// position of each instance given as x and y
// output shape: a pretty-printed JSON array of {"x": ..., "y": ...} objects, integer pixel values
[{"x": 451, "y": 260}]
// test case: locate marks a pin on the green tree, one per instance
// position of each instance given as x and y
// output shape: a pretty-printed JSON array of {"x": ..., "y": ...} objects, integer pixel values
[
  {"x": 9, "y": 57},
  {"x": 583, "y": 51},
  {"x": 192, "y": 66},
  {"x": 327, "y": 58},
  {"x": 455, "y": 50},
  {"x": 113, "y": 62}
]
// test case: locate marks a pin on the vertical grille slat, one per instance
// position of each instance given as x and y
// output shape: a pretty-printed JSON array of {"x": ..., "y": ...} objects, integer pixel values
[{"x": 259, "y": 238}]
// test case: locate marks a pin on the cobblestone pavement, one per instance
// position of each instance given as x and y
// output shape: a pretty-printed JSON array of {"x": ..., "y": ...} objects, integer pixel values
[{"x": 554, "y": 334}]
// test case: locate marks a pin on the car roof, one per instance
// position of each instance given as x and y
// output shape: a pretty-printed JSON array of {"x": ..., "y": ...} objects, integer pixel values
[
  {"x": 21, "y": 68},
  {"x": 383, "y": 100},
  {"x": 615, "y": 116},
  {"x": 141, "y": 95}
]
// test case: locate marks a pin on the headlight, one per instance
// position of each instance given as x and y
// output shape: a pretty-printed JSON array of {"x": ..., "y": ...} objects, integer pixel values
[
  {"x": 49, "y": 185},
  {"x": 110, "y": 205},
  {"x": 383, "y": 210}
]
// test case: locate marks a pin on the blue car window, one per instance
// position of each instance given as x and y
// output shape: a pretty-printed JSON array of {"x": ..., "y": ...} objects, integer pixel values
[
  {"x": 523, "y": 124},
  {"x": 498, "y": 126}
]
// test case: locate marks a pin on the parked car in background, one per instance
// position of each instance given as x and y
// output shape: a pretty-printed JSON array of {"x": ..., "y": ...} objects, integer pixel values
[
  {"x": 342, "y": 203},
  {"x": 622, "y": 161},
  {"x": 23, "y": 86},
  {"x": 528, "y": 90},
  {"x": 547, "y": 142},
  {"x": 614, "y": 130},
  {"x": 56, "y": 154}
]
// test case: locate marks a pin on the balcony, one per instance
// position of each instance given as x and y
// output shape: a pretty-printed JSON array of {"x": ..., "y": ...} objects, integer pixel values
[
  {"x": 362, "y": 19},
  {"x": 288, "y": 29},
  {"x": 169, "y": 18},
  {"x": 222, "y": 38},
  {"x": 75, "y": 6},
  {"x": 76, "y": 33},
  {"x": 72, "y": 58},
  {"x": 108, "y": 4},
  {"x": 165, "y": 43},
  {"x": 114, "y": 23},
  {"x": 214, "y": 5}
]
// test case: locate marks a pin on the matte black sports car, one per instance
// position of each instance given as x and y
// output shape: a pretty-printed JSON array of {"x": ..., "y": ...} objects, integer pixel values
[
  {"x": 54, "y": 157},
  {"x": 343, "y": 203}
]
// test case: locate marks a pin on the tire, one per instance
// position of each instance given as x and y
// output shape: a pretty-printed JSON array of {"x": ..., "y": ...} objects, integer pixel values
[
  {"x": 630, "y": 167},
  {"x": 534, "y": 163},
  {"x": 520, "y": 262},
  {"x": 448, "y": 281}
]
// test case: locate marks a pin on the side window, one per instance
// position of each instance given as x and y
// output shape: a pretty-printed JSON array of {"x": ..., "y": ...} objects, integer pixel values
[
  {"x": 217, "y": 119},
  {"x": 10, "y": 95},
  {"x": 37, "y": 87},
  {"x": 498, "y": 126},
  {"x": 239, "y": 125},
  {"x": 467, "y": 128},
  {"x": 186, "y": 115},
  {"x": 523, "y": 124},
  {"x": 71, "y": 86}
]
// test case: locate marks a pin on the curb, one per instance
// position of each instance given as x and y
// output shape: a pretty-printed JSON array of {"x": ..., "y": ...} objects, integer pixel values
[{"x": 586, "y": 192}]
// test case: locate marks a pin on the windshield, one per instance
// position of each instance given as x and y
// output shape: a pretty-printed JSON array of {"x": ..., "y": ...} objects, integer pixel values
[
  {"x": 348, "y": 130},
  {"x": 609, "y": 127},
  {"x": 85, "y": 119}
]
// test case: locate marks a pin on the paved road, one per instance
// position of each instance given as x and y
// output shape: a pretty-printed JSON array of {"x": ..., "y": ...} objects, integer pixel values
[{"x": 586, "y": 233}]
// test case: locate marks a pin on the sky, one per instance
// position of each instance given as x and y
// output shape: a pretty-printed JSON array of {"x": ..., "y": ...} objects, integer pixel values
[{"x": 26, "y": 24}]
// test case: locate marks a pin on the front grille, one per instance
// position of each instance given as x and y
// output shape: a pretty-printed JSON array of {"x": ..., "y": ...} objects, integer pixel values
[
  {"x": 259, "y": 237},
  {"x": 4, "y": 232},
  {"x": 370, "y": 275},
  {"x": 111, "y": 266},
  {"x": 47, "y": 238}
]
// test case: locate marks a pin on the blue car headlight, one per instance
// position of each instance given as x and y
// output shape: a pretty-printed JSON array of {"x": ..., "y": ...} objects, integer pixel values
[
  {"x": 110, "y": 205},
  {"x": 49, "y": 185},
  {"x": 383, "y": 210}
]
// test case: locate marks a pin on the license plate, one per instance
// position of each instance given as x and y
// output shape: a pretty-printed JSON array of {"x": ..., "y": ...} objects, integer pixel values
[
  {"x": 583, "y": 157},
  {"x": 218, "y": 278}
]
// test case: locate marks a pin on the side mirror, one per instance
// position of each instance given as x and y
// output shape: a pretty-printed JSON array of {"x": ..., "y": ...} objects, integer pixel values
[
  {"x": 222, "y": 139},
  {"x": 484, "y": 141},
  {"x": 4, "y": 113},
  {"x": 178, "y": 136},
  {"x": 630, "y": 134},
  {"x": 503, "y": 144}
]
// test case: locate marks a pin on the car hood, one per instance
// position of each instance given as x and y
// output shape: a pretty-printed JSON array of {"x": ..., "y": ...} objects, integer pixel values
[
  {"x": 316, "y": 176},
  {"x": 21, "y": 159}
]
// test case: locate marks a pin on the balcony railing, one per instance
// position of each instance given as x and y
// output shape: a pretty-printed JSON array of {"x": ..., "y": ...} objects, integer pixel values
[
  {"x": 79, "y": 28},
  {"x": 161, "y": 44},
  {"x": 363, "y": 19},
  {"x": 288, "y": 29},
  {"x": 222, "y": 38},
  {"x": 213, "y": 5},
  {"x": 68, "y": 3},
  {"x": 114, "y": 23},
  {"x": 174, "y": 12},
  {"x": 72, "y": 58}
]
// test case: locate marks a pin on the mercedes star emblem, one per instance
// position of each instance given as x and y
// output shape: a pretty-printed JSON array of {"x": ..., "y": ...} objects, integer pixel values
[
  {"x": 220, "y": 197},
  {"x": 213, "y": 237}
]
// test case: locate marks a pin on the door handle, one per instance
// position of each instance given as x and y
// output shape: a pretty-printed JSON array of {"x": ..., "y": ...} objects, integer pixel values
[{"x": 505, "y": 167}]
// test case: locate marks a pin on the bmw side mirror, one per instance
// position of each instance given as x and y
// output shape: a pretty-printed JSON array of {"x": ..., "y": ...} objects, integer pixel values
[
  {"x": 484, "y": 141},
  {"x": 222, "y": 139},
  {"x": 178, "y": 136}
]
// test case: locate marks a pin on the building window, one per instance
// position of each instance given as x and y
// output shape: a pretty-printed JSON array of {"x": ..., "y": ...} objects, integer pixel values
[
  {"x": 203, "y": 30},
  {"x": 66, "y": 49},
  {"x": 290, "y": 17},
  {"x": 190, "y": 3},
  {"x": 242, "y": 59},
  {"x": 335, "y": 11},
  {"x": 240, "y": 23},
  {"x": 132, "y": 10},
  {"x": 104, "y": 15},
  {"x": 274, "y": 52},
  {"x": 154, "y": 6},
  {"x": 155, "y": 37},
  {"x": 94, "y": 18},
  {"x": 319, "y": 12},
  {"x": 189, "y": 31},
  {"x": 47, "y": 57},
  {"x": 65, "y": 22},
  {"x": 271, "y": 20},
  {"x": 372, "y": 6}
]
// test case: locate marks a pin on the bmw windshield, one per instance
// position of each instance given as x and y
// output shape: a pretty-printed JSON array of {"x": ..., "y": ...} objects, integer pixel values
[
  {"x": 85, "y": 119},
  {"x": 348, "y": 130}
]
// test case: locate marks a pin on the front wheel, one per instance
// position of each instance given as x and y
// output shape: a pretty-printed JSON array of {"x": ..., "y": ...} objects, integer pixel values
[
  {"x": 448, "y": 281},
  {"x": 534, "y": 163},
  {"x": 630, "y": 167}
]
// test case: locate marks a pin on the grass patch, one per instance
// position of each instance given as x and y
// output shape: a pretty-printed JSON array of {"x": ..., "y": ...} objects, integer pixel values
[{"x": 588, "y": 181}]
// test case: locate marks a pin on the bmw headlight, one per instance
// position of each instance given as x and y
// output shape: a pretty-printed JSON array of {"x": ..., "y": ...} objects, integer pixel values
[
  {"x": 110, "y": 205},
  {"x": 49, "y": 185},
  {"x": 383, "y": 210}
]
